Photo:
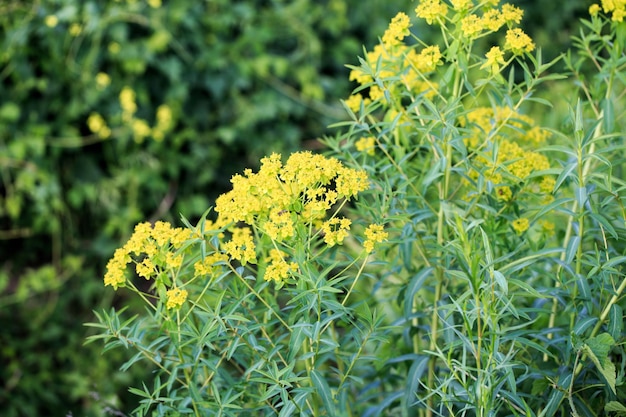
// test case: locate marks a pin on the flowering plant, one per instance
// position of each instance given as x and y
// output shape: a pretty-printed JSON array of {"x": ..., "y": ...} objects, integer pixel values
[{"x": 479, "y": 271}]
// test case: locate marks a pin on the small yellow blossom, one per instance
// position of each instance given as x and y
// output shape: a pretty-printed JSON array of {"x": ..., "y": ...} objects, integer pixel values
[
  {"x": 547, "y": 226},
  {"x": 146, "y": 268},
  {"x": 374, "y": 234},
  {"x": 102, "y": 80},
  {"x": 518, "y": 42},
  {"x": 335, "y": 230},
  {"x": 241, "y": 247},
  {"x": 350, "y": 182},
  {"x": 493, "y": 20},
  {"x": 155, "y": 4},
  {"x": 512, "y": 14},
  {"x": 520, "y": 225},
  {"x": 175, "y": 298},
  {"x": 141, "y": 129},
  {"x": 428, "y": 59},
  {"x": 471, "y": 26},
  {"x": 279, "y": 269},
  {"x": 173, "y": 261},
  {"x": 504, "y": 193},
  {"x": 354, "y": 102},
  {"x": 210, "y": 264},
  {"x": 366, "y": 145},
  {"x": 127, "y": 101},
  {"x": 51, "y": 21},
  {"x": 594, "y": 9},
  {"x": 114, "y": 48},
  {"x": 495, "y": 58},
  {"x": 618, "y": 15},
  {"x": 460, "y": 5},
  {"x": 97, "y": 125},
  {"x": 431, "y": 10},
  {"x": 75, "y": 29},
  {"x": 115, "y": 269},
  {"x": 398, "y": 29},
  {"x": 547, "y": 185}
]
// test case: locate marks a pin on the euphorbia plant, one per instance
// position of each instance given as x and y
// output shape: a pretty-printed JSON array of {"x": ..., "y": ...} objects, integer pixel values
[{"x": 498, "y": 289}]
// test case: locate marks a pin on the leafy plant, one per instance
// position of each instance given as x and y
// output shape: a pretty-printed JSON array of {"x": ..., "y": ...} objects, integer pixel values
[{"x": 496, "y": 286}]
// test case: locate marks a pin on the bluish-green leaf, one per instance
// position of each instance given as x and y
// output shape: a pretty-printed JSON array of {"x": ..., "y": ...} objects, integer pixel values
[{"x": 323, "y": 390}]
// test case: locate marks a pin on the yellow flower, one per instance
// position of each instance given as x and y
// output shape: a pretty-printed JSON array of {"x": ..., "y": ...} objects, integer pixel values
[
  {"x": 280, "y": 225},
  {"x": 75, "y": 29},
  {"x": 141, "y": 129},
  {"x": 102, "y": 80},
  {"x": 350, "y": 182},
  {"x": 618, "y": 15},
  {"x": 116, "y": 268},
  {"x": 155, "y": 4},
  {"x": 354, "y": 102},
  {"x": 173, "y": 261},
  {"x": 460, "y": 5},
  {"x": 546, "y": 225},
  {"x": 175, "y": 298},
  {"x": 279, "y": 269},
  {"x": 114, "y": 48},
  {"x": 431, "y": 10},
  {"x": 366, "y": 145},
  {"x": 471, "y": 26},
  {"x": 504, "y": 193},
  {"x": 594, "y": 9},
  {"x": 127, "y": 100},
  {"x": 335, "y": 230},
  {"x": 520, "y": 225},
  {"x": 547, "y": 185},
  {"x": 398, "y": 29},
  {"x": 97, "y": 125},
  {"x": 146, "y": 268},
  {"x": 374, "y": 234},
  {"x": 511, "y": 13},
  {"x": 493, "y": 20},
  {"x": 518, "y": 42},
  {"x": 210, "y": 264},
  {"x": 51, "y": 21},
  {"x": 428, "y": 59},
  {"x": 495, "y": 58},
  {"x": 241, "y": 246}
]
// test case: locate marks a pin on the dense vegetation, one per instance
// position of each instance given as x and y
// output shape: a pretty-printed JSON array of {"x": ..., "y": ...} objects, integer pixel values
[{"x": 119, "y": 112}]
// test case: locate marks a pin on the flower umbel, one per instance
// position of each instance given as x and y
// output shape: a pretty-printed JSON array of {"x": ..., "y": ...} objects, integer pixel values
[{"x": 374, "y": 234}]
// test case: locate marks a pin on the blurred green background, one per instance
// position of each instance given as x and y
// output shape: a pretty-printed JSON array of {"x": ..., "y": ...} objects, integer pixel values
[{"x": 116, "y": 112}]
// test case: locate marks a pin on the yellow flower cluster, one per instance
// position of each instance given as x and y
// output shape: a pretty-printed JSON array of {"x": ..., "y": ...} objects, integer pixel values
[
  {"x": 432, "y": 11},
  {"x": 141, "y": 128},
  {"x": 500, "y": 134},
  {"x": 98, "y": 125},
  {"x": 152, "y": 249},
  {"x": 278, "y": 198},
  {"x": 518, "y": 42},
  {"x": 617, "y": 9},
  {"x": 270, "y": 205},
  {"x": 335, "y": 230},
  {"x": 278, "y": 268},
  {"x": 366, "y": 145},
  {"x": 175, "y": 297},
  {"x": 520, "y": 225},
  {"x": 398, "y": 30},
  {"x": 374, "y": 234},
  {"x": 393, "y": 58}
]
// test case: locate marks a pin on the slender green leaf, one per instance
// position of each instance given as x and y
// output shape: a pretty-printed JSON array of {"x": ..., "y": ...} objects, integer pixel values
[{"x": 323, "y": 390}]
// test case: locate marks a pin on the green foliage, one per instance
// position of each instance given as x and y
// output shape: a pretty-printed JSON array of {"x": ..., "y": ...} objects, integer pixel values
[
  {"x": 208, "y": 88},
  {"x": 500, "y": 290}
]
